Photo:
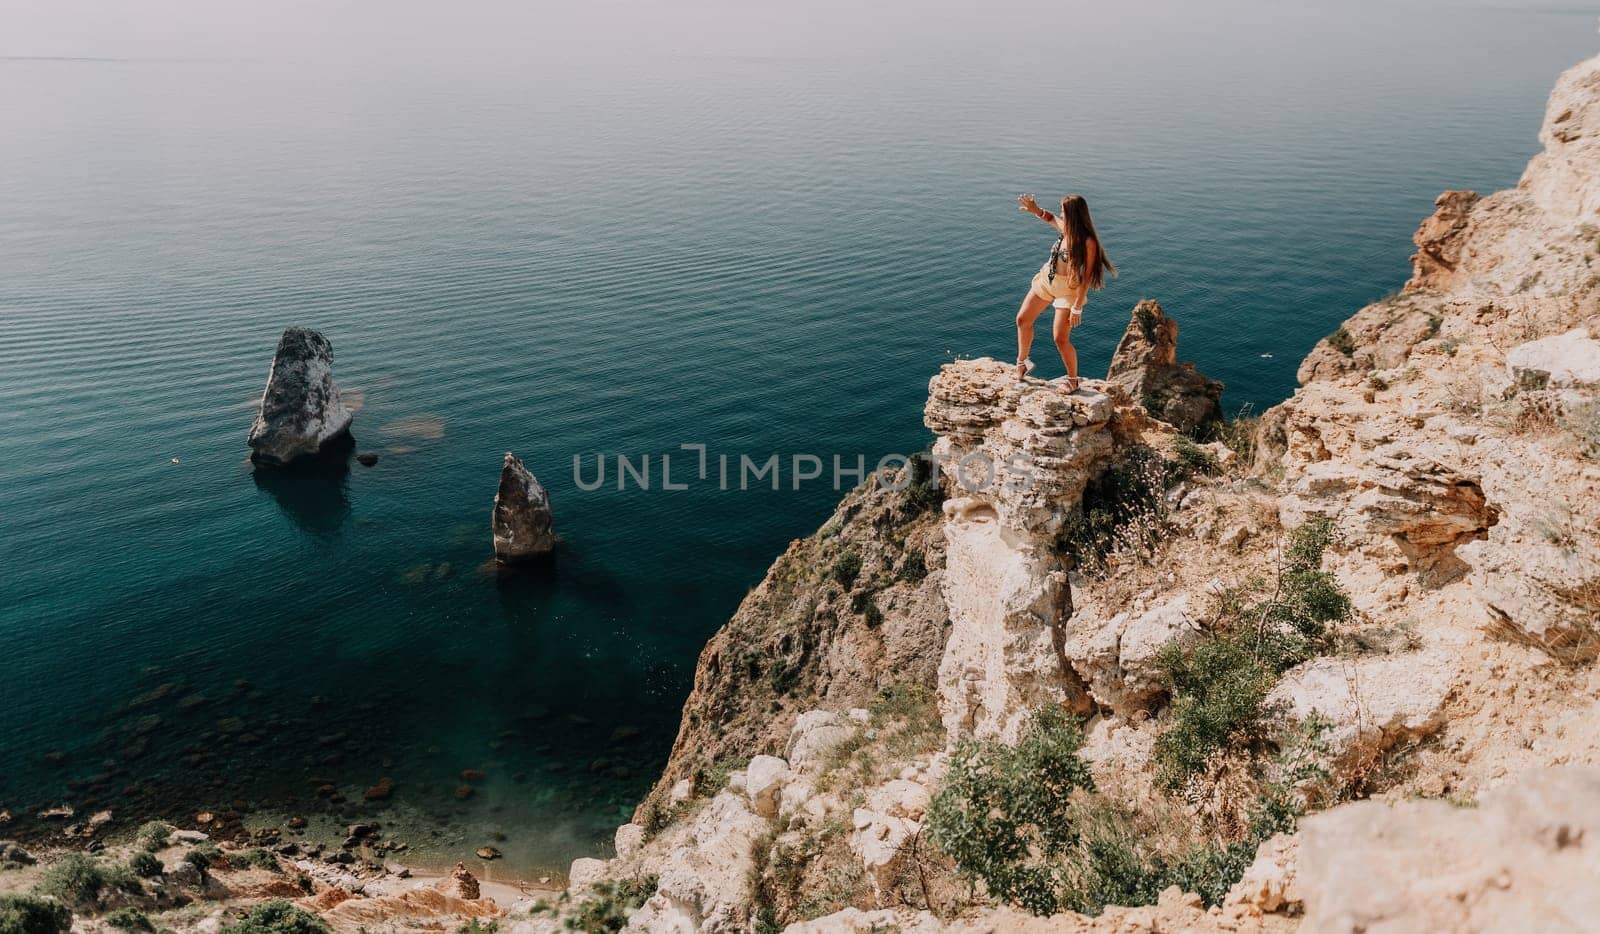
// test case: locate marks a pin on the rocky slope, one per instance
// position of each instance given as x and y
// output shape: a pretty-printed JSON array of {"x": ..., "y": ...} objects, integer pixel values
[{"x": 1442, "y": 452}]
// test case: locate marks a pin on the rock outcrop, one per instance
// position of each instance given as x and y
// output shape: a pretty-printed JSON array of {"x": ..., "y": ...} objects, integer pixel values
[
  {"x": 301, "y": 413},
  {"x": 1146, "y": 368},
  {"x": 522, "y": 523},
  {"x": 1524, "y": 859},
  {"x": 1016, "y": 455},
  {"x": 1445, "y": 443}
]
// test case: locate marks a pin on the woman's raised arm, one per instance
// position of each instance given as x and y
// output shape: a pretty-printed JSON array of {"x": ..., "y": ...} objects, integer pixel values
[{"x": 1026, "y": 203}]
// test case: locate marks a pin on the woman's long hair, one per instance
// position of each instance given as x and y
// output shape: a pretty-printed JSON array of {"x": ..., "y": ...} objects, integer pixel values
[{"x": 1080, "y": 230}]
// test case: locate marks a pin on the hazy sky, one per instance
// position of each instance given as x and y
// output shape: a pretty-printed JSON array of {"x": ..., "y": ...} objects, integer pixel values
[{"x": 471, "y": 29}]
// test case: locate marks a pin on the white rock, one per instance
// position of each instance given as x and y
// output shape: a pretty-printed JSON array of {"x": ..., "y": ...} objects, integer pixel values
[
  {"x": 585, "y": 872},
  {"x": 815, "y": 734},
  {"x": 1370, "y": 702},
  {"x": 1563, "y": 360},
  {"x": 1268, "y": 884},
  {"x": 900, "y": 798},
  {"x": 1120, "y": 659},
  {"x": 189, "y": 837},
  {"x": 860, "y": 714},
  {"x": 765, "y": 777},
  {"x": 682, "y": 790},
  {"x": 628, "y": 839}
]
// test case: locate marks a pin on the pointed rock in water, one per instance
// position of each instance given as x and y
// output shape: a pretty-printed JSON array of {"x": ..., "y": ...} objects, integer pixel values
[
  {"x": 1146, "y": 366},
  {"x": 301, "y": 413},
  {"x": 522, "y": 518}
]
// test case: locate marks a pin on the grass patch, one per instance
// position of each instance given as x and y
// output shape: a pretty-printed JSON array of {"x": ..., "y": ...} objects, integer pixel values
[
  {"x": 129, "y": 919},
  {"x": 1194, "y": 460},
  {"x": 914, "y": 566},
  {"x": 1123, "y": 510},
  {"x": 256, "y": 858},
  {"x": 1219, "y": 686},
  {"x": 846, "y": 567},
  {"x": 152, "y": 836},
  {"x": 1028, "y": 822},
  {"x": 278, "y": 917},
  {"x": 28, "y": 914},
  {"x": 1341, "y": 341},
  {"x": 608, "y": 905},
  {"x": 714, "y": 777},
  {"x": 145, "y": 865},
  {"x": 83, "y": 881}
]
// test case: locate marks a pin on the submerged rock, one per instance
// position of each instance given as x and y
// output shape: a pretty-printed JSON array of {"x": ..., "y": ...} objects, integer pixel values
[
  {"x": 301, "y": 413},
  {"x": 522, "y": 519},
  {"x": 1146, "y": 366}
]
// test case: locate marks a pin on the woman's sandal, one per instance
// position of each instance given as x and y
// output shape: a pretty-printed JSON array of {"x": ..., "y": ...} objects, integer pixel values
[
  {"x": 1024, "y": 367},
  {"x": 1071, "y": 383}
]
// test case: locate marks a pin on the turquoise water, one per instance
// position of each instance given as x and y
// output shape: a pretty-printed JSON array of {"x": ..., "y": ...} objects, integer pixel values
[{"x": 616, "y": 229}]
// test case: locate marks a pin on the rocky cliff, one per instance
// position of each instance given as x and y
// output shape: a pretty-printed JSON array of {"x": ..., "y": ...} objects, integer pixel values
[{"x": 1386, "y": 588}]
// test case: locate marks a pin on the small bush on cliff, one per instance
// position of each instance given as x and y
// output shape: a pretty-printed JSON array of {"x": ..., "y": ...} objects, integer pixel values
[
  {"x": 1219, "y": 687},
  {"x": 144, "y": 865},
  {"x": 847, "y": 567},
  {"x": 81, "y": 880},
  {"x": 914, "y": 567},
  {"x": 257, "y": 859},
  {"x": 278, "y": 917},
  {"x": 1194, "y": 460},
  {"x": 129, "y": 919},
  {"x": 608, "y": 905},
  {"x": 1002, "y": 812},
  {"x": 1123, "y": 510},
  {"x": 152, "y": 836},
  {"x": 27, "y": 914},
  {"x": 1341, "y": 341}
]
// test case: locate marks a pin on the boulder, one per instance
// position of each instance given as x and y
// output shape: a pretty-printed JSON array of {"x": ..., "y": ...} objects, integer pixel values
[
  {"x": 764, "y": 779},
  {"x": 1556, "y": 362},
  {"x": 13, "y": 855},
  {"x": 1120, "y": 658},
  {"x": 522, "y": 518},
  {"x": 815, "y": 733},
  {"x": 1523, "y": 859},
  {"x": 1368, "y": 703},
  {"x": 629, "y": 838},
  {"x": 1145, "y": 366},
  {"x": 585, "y": 872},
  {"x": 301, "y": 414}
]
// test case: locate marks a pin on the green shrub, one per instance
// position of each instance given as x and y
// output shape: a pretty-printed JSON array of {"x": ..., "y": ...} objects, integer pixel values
[
  {"x": 847, "y": 567},
  {"x": 1219, "y": 686},
  {"x": 713, "y": 778},
  {"x": 129, "y": 919},
  {"x": 1341, "y": 341},
  {"x": 205, "y": 856},
  {"x": 152, "y": 836},
  {"x": 81, "y": 880},
  {"x": 474, "y": 926},
  {"x": 914, "y": 566},
  {"x": 144, "y": 865},
  {"x": 1584, "y": 423},
  {"x": 257, "y": 859},
  {"x": 278, "y": 917},
  {"x": 27, "y": 914},
  {"x": 1194, "y": 460},
  {"x": 608, "y": 905},
  {"x": 1002, "y": 812},
  {"x": 1124, "y": 508}
]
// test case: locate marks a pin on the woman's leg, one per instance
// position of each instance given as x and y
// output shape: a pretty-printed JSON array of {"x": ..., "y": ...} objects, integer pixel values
[
  {"x": 1032, "y": 306},
  {"x": 1063, "y": 335}
]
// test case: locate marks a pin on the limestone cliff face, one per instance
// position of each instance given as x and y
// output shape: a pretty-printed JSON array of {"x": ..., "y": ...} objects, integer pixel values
[
  {"x": 1450, "y": 436},
  {"x": 851, "y": 609}
]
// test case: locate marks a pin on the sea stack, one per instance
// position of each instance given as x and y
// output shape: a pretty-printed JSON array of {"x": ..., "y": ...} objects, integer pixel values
[
  {"x": 522, "y": 519},
  {"x": 1146, "y": 366},
  {"x": 301, "y": 414}
]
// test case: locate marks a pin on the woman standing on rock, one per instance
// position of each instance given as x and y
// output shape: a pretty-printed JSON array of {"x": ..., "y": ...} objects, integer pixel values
[{"x": 1077, "y": 264}]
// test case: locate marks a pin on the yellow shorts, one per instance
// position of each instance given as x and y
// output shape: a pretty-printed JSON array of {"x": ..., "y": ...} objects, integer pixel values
[{"x": 1061, "y": 290}]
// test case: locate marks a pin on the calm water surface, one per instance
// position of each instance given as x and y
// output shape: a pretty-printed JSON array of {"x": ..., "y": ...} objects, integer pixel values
[{"x": 619, "y": 228}]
